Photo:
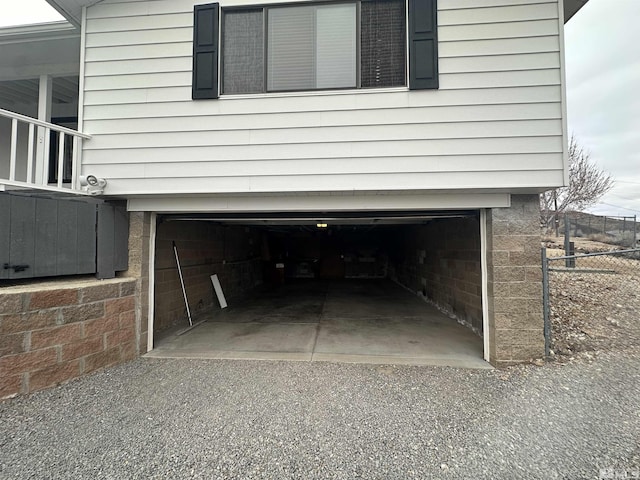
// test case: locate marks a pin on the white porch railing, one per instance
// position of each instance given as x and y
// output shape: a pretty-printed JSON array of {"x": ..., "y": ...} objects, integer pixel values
[{"x": 29, "y": 160}]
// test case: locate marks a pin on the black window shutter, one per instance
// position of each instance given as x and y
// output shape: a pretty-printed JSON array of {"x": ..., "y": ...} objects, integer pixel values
[
  {"x": 423, "y": 44},
  {"x": 205, "y": 51}
]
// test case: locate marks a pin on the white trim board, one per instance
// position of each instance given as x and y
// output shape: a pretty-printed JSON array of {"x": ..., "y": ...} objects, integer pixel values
[
  {"x": 301, "y": 203},
  {"x": 152, "y": 278},
  {"x": 484, "y": 281}
]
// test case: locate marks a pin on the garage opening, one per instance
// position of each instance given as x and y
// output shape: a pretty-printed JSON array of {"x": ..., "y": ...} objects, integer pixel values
[{"x": 385, "y": 287}]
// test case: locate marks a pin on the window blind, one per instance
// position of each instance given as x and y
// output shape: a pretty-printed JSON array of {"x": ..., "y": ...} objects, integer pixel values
[
  {"x": 290, "y": 48},
  {"x": 336, "y": 57}
]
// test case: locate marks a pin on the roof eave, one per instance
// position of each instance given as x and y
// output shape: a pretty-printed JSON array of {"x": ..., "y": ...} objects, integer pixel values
[
  {"x": 72, "y": 9},
  {"x": 74, "y": 19},
  {"x": 571, "y": 7},
  {"x": 38, "y": 31}
]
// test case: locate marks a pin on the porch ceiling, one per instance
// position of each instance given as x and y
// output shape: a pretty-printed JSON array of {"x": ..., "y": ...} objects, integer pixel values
[
  {"x": 31, "y": 50},
  {"x": 24, "y": 92}
]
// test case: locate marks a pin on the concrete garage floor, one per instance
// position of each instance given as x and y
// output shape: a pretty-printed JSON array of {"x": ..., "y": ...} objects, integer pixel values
[{"x": 344, "y": 321}]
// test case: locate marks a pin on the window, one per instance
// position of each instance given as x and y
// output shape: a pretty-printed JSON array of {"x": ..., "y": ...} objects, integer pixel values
[
  {"x": 306, "y": 46},
  {"x": 310, "y": 47},
  {"x": 54, "y": 145}
]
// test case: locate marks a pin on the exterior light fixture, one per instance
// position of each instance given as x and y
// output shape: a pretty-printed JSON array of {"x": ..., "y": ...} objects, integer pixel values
[
  {"x": 321, "y": 225},
  {"x": 92, "y": 184}
]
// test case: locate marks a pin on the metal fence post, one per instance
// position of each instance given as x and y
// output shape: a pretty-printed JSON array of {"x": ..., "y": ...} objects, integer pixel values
[
  {"x": 545, "y": 303},
  {"x": 567, "y": 233},
  {"x": 568, "y": 250}
]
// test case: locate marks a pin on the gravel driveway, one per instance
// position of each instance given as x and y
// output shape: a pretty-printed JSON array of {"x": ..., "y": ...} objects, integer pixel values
[{"x": 173, "y": 419}]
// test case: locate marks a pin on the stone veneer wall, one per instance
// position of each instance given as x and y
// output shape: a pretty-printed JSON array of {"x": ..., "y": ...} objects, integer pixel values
[
  {"x": 515, "y": 282},
  {"x": 58, "y": 330},
  {"x": 441, "y": 260}
]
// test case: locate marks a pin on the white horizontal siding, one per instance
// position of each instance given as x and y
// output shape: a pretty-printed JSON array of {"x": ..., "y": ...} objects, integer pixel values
[
  {"x": 464, "y": 4},
  {"x": 478, "y": 149},
  {"x": 460, "y": 4},
  {"x": 506, "y": 63},
  {"x": 495, "y": 122},
  {"x": 198, "y": 137},
  {"x": 138, "y": 52},
  {"x": 140, "y": 22},
  {"x": 489, "y": 31},
  {"x": 168, "y": 121},
  {"x": 173, "y": 168},
  {"x": 450, "y": 65},
  {"x": 101, "y": 104},
  {"x": 506, "y": 78},
  {"x": 140, "y": 37},
  {"x": 134, "y": 8},
  {"x": 498, "y": 14},
  {"x": 500, "y": 46}
]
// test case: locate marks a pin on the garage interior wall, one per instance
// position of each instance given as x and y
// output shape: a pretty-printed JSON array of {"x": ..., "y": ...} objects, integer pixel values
[
  {"x": 204, "y": 249},
  {"x": 441, "y": 261}
]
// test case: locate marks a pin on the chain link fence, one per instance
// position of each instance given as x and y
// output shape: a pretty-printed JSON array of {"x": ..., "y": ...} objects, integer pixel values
[
  {"x": 591, "y": 300},
  {"x": 622, "y": 231}
]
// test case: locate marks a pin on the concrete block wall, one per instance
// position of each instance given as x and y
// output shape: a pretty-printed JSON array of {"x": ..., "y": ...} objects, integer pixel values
[
  {"x": 441, "y": 260},
  {"x": 204, "y": 249},
  {"x": 139, "y": 238},
  {"x": 515, "y": 282},
  {"x": 54, "y": 331}
]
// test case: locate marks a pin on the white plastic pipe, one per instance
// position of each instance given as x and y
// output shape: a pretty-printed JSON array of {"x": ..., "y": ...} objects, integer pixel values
[{"x": 184, "y": 291}]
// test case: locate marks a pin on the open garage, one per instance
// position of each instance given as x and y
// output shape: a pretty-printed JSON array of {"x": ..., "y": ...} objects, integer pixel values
[{"x": 385, "y": 287}]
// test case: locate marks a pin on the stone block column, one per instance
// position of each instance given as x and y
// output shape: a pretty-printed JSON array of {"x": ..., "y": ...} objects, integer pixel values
[
  {"x": 514, "y": 271},
  {"x": 139, "y": 234}
]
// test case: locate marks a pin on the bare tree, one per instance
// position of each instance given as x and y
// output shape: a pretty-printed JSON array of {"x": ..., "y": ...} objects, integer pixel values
[{"x": 587, "y": 184}]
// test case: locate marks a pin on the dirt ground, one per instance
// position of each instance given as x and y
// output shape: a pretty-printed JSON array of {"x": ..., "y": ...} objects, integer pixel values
[
  {"x": 582, "y": 245},
  {"x": 595, "y": 307}
]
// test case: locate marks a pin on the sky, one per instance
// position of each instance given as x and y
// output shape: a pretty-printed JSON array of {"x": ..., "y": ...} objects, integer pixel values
[
  {"x": 22, "y": 12},
  {"x": 603, "y": 96}
]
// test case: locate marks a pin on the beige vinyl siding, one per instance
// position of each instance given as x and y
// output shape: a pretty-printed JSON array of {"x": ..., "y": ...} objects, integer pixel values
[{"x": 494, "y": 124}]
